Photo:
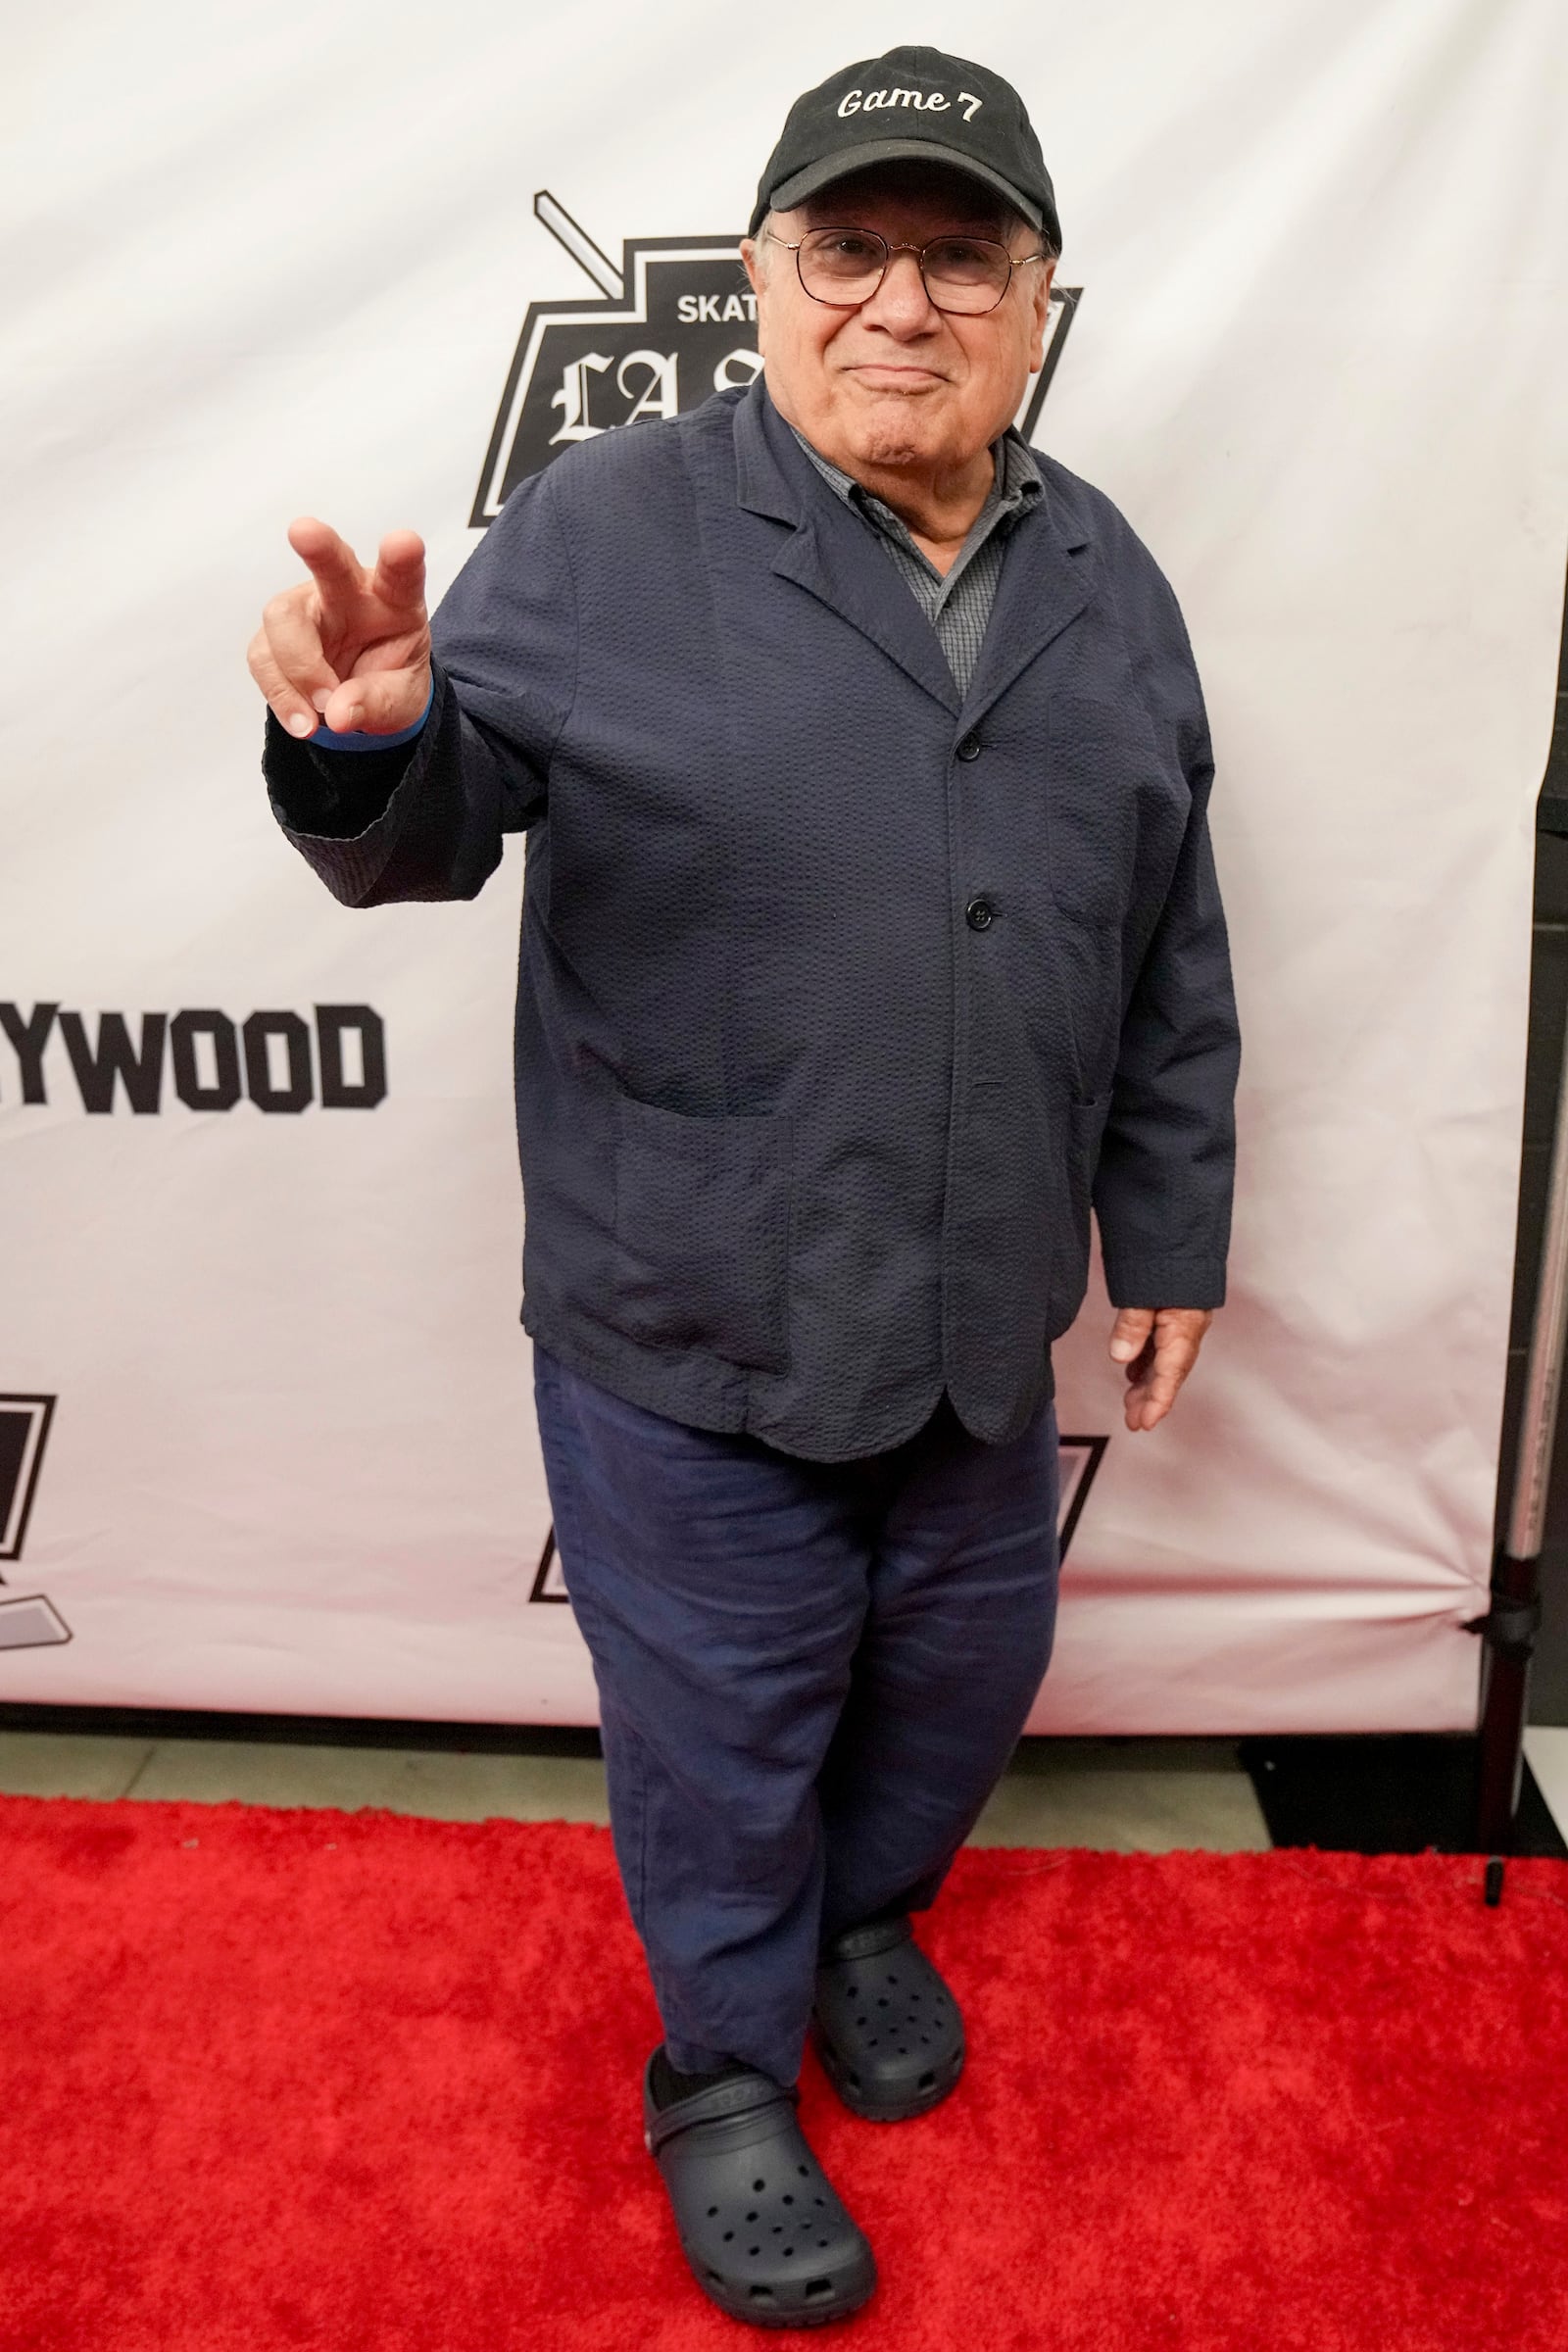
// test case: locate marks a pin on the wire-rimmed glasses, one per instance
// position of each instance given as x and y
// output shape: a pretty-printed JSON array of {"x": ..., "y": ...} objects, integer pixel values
[{"x": 844, "y": 267}]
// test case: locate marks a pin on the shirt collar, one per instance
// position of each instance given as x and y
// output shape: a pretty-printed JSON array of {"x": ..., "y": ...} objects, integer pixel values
[{"x": 1017, "y": 483}]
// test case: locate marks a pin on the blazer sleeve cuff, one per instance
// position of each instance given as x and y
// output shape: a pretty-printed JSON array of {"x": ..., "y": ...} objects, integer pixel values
[
  {"x": 1164, "y": 1281},
  {"x": 342, "y": 795}
]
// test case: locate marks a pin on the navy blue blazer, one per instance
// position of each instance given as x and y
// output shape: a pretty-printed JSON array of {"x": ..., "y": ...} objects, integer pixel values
[{"x": 841, "y": 994}]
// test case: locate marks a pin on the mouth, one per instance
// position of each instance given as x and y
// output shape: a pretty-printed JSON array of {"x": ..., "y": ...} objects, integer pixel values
[{"x": 889, "y": 376}]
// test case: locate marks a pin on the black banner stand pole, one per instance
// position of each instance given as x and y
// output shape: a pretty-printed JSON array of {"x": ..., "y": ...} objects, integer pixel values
[{"x": 1510, "y": 1626}]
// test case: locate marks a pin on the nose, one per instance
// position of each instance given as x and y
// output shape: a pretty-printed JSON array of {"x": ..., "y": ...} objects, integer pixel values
[{"x": 900, "y": 303}]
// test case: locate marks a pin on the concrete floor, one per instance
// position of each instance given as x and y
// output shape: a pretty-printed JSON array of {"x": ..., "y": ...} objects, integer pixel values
[{"x": 1120, "y": 1795}]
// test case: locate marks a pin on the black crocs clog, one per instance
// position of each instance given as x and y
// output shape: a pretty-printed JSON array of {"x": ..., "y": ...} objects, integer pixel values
[
  {"x": 758, "y": 2221},
  {"x": 885, "y": 2026}
]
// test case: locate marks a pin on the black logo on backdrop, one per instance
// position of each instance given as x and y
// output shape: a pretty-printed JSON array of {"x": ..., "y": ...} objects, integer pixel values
[
  {"x": 278, "y": 1061},
  {"x": 28, "y": 1622},
  {"x": 673, "y": 325},
  {"x": 1078, "y": 1459}
]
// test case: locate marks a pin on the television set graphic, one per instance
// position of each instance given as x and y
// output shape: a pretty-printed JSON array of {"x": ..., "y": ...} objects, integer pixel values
[{"x": 28, "y": 1621}]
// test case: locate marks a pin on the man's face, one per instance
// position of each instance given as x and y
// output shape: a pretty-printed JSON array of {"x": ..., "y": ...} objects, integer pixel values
[{"x": 897, "y": 383}]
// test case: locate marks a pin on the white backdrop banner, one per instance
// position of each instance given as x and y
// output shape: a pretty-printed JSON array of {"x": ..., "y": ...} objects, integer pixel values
[{"x": 266, "y": 1437}]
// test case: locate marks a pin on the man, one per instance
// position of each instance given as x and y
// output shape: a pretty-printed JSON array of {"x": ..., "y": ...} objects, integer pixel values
[{"x": 871, "y": 926}]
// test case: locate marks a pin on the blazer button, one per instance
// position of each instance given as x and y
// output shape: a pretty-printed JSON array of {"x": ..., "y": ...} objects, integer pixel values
[
  {"x": 978, "y": 913},
  {"x": 969, "y": 747}
]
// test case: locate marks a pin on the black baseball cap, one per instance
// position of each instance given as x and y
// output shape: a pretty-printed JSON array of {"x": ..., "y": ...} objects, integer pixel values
[{"x": 911, "y": 105}]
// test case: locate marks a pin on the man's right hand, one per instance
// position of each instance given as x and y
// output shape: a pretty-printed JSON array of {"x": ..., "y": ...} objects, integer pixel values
[{"x": 348, "y": 647}]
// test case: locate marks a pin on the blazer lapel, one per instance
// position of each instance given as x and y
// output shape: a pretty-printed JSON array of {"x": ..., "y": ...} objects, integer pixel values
[
  {"x": 1047, "y": 580},
  {"x": 832, "y": 551},
  {"x": 835, "y": 557}
]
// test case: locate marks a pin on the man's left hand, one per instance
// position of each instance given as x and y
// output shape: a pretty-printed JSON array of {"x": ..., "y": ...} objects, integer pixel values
[{"x": 1158, "y": 1345}]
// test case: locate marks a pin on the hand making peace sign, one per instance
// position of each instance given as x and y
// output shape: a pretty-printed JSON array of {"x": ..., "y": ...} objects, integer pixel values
[{"x": 350, "y": 646}]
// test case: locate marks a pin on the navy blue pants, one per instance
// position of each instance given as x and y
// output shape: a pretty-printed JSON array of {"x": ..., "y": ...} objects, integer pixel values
[{"x": 810, "y": 1677}]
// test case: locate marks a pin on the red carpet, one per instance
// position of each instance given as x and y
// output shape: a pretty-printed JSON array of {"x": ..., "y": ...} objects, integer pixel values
[{"x": 346, "y": 2080}]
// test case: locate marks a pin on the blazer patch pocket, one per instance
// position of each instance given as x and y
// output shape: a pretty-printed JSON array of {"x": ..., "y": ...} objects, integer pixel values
[{"x": 703, "y": 1232}]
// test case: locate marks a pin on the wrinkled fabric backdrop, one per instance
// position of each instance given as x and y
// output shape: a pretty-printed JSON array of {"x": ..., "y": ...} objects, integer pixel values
[{"x": 266, "y": 1437}]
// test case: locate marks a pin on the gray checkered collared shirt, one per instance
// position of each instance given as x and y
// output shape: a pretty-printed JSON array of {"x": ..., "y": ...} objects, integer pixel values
[{"x": 959, "y": 605}]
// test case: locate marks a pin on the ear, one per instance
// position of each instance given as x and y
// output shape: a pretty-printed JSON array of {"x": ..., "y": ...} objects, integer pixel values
[
  {"x": 758, "y": 274},
  {"x": 1042, "y": 312}
]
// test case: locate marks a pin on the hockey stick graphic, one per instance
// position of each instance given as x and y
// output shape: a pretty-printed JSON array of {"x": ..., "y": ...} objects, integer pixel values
[{"x": 580, "y": 245}]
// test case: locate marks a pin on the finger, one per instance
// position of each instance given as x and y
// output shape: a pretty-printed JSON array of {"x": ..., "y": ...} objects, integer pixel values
[
  {"x": 380, "y": 703},
  {"x": 1130, "y": 1330},
  {"x": 1167, "y": 1360},
  {"x": 333, "y": 564},
  {"x": 1133, "y": 1403},
  {"x": 1153, "y": 1399},
  {"x": 399, "y": 575},
  {"x": 1148, "y": 1402},
  {"x": 1175, "y": 1350},
  {"x": 287, "y": 704},
  {"x": 290, "y": 627},
  {"x": 1162, "y": 1385}
]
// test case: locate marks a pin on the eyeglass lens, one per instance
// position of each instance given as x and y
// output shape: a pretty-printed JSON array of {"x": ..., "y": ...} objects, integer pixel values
[{"x": 960, "y": 274}]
